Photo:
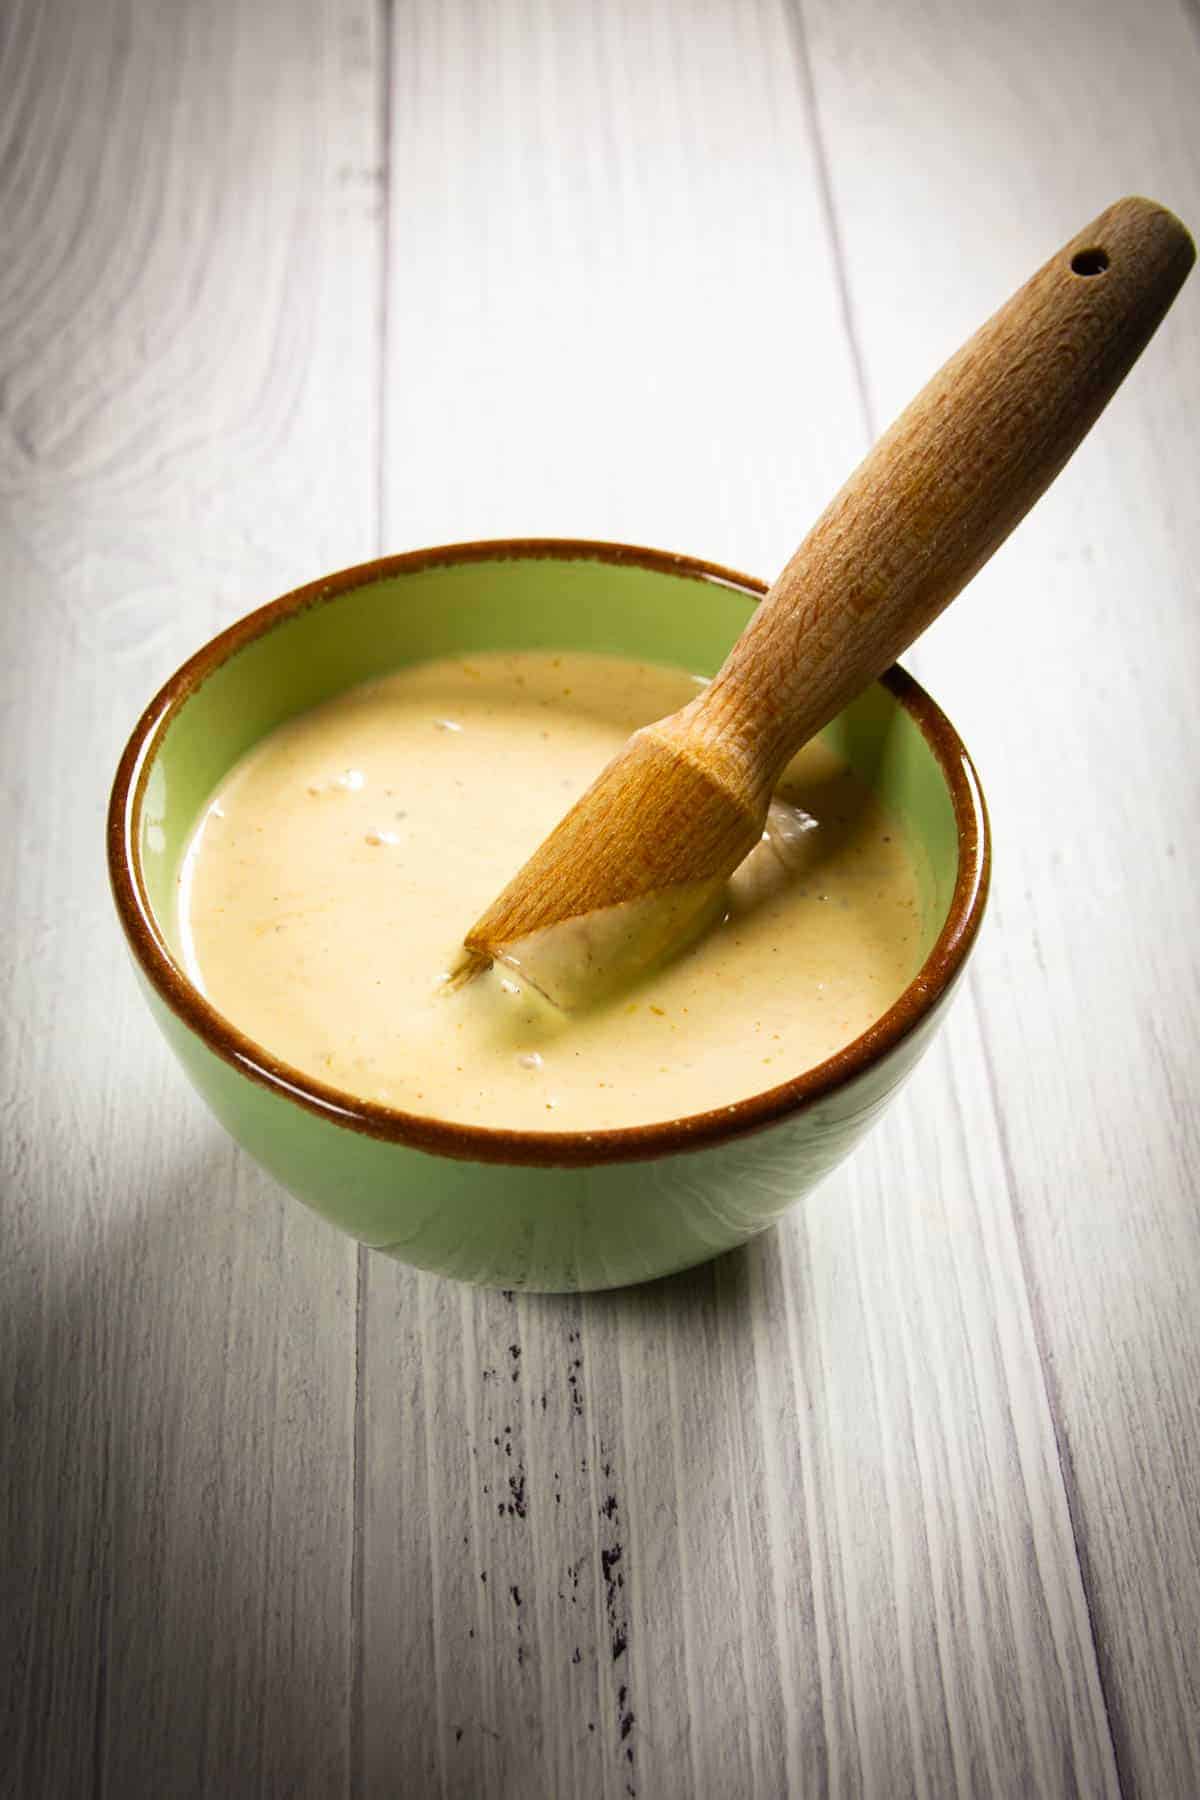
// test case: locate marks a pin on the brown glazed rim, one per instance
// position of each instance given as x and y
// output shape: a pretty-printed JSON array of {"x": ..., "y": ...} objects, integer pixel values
[{"x": 477, "y": 1143}]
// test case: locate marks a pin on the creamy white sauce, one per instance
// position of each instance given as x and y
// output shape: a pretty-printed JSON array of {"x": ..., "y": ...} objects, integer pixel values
[{"x": 324, "y": 896}]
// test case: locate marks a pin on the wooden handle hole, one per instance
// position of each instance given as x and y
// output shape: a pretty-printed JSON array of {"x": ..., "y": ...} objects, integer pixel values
[{"x": 1089, "y": 262}]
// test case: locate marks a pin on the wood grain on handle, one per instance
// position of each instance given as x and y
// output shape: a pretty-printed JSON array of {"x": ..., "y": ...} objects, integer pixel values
[
  {"x": 946, "y": 484},
  {"x": 639, "y": 862}
]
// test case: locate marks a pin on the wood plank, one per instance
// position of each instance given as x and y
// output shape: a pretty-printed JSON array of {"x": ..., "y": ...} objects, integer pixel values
[
  {"x": 962, "y": 151},
  {"x": 187, "y": 345},
  {"x": 795, "y": 1522},
  {"x": 611, "y": 311}
]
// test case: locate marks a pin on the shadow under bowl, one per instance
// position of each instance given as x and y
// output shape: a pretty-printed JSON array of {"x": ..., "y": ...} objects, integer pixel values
[{"x": 549, "y": 1211}]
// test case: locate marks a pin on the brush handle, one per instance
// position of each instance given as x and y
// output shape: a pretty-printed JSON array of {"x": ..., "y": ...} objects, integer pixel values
[{"x": 943, "y": 488}]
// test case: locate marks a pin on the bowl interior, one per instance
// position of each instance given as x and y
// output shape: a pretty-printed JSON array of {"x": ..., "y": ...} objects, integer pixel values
[{"x": 302, "y": 651}]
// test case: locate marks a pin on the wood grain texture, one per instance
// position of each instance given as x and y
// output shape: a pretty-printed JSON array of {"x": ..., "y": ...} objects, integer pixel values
[
  {"x": 283, "y": 1520},
  {"x": 187, "y": 353},
  {"x": 1073, "y": 661},
  {"x": 585, "y": 203}
]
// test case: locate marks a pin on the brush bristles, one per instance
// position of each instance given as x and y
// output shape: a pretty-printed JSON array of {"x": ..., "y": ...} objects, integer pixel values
[{"x": 654, "y": 820}]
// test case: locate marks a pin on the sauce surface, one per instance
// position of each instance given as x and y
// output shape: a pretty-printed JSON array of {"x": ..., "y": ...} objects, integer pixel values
[{"x": 325, "y": 893}]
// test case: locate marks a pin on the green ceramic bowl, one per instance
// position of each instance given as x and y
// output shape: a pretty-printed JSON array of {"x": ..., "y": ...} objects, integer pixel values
[{"x": 539, "y": 1210}]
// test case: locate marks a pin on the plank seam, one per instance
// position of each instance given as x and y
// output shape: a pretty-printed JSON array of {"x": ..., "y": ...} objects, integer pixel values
[
  {"x": 100, "y": 1703},
  {"x": 1062, "y": 1448},
  {"x": 355, "y": 1751},
  {"x": 387, "y": 32},
  {"x": 794, "y": 13}
]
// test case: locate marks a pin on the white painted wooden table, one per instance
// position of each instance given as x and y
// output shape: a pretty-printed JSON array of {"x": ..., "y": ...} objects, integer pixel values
[{"x": 905, "y": 1497}]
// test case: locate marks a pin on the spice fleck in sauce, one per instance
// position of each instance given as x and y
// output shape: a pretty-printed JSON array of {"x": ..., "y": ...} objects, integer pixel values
[{"x": 327, "y": 888}]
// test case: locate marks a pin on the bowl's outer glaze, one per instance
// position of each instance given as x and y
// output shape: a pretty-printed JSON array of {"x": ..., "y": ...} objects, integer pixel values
[
  {"x": 543, "y": 1229},
  {"x": 602, "y": 1222}
]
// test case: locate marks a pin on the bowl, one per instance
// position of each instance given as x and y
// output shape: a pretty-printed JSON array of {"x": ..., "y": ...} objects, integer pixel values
[{"x": 549, "y": 1211}]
